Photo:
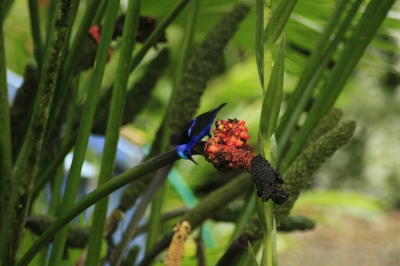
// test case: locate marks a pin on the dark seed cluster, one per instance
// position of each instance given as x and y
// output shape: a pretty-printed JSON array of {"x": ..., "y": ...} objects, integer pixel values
[{"x": 267, "y": 180}]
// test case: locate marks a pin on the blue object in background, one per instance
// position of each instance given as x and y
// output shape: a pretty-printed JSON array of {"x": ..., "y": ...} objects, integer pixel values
[
  {"x": 128, "y": 155},
  {"x": 14, "y": 81}
]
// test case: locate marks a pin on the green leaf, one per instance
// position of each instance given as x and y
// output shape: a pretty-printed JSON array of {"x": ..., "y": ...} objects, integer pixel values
[
  {"x": 251, "y": 256},
  {"x": 313, "y": 70},
  {"x": 361, "y": 36},
  {"x": 258, "y": 39},
  {"x": 278, "y": 21},
  {"x": 273, "y": 96}
]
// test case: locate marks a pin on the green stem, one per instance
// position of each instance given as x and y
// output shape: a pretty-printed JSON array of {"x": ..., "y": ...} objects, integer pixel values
[
  {"x": 184, "y": 52},
  {"x": 99, "y": 193},
  {"x": 49, "y": 21},
  {"x": 312, "y": 72},
  {"x": 100, "y": 11},
  {"x": 5, "y": 136},
  {"x": 36, "y": 36},
  {"x": 70, "y": 64},
  {"x": 155, "y": 217},
  {"x": 156, "y": 34},
  {"x": 27, "y": 162},
  {"x": 112, "y": 133},
  {"x": 46, "y": 174},
  {"x": 263, "y": 209},
  {"x": 56, "y": 197},
  {"x": 186, "y": 44},
  {"x": 361, "y": 36},
  {"x": 85, "y": 128},
  {"x": 267, "y": 55},
  {"x": 147, "y": 197},
  {"x": 269, "y": 236},
  {"x": 244, "y": 216}
]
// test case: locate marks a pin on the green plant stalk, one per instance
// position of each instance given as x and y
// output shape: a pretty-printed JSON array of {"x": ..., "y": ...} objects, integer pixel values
[
  {"x": 147, "y": 197},
  {"x": 156, "y": 34},
  {"x": 251, "y": 257},
  {"x": 49, "y": 21},
  {"x": 244, "y": 216},
  {"x": 212, "y": 204},
  {"x": 270, "y": 236},
  {"x": 54, "y": 118},
  {"x": 277, "y": 22},
  {"x": 85, "y": 127},
  {"x": 184, "y": 52},
  {"x": 56, "y": 193},
  {"x": 156, "y": 205},
  {"x": 300, "y": 173},
  {"x": 70, "y": 64},
  {"x": 263, "y": 210},
  {"x": 153, "y": 38},
  {"x": 100, "y": 11},
  {"x": 45, "y": 174},
  {"x": 362, "y": 35},
  {"x": 93, "y": 197},
  {"x": 273, "y": 98},
  {"x": 268, "y": 120},
  {"x": 100, "y": 124},
  {"x": 258, "y": 40},
  {"x": 186, "y": 44},
  {"x": 5, "y": 131},
  {"x": 36, "y": 36},
  {"x": 267, "y": 53},
  {"x": 58, "y": 180},
  {"x": 202, "y": 67},
  {"x": 313, "y": 71},
  {"x": 27, "y": 163},
  {"x": 155, "y": 218},
  {"x": 112, "y": 133},
  {"x": 5, "y": 135},
  {"x": 6, "y": 5},
  {"x": 269, "y": 256},
  {"x": 218, "y": 199}
]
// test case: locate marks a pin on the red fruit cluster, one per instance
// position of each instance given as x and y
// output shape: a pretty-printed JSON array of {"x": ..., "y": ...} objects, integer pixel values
[
  {"x": 228, "y": 149},
  {"x": 95, "y": 33}
]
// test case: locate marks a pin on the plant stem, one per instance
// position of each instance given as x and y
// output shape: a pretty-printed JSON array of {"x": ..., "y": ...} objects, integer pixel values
[
  {"x": 37, "y": 38},
  {"x": 5, "y": 135},
  {"x": 85, "y": 127},
  {"x": 70, "y": 64},
  {"x": 361, "y": 36},
  {"x": 156, "y": 34},
  {"x": 99, "y": 193},
  {"x": 147, "y": 197},
  {"x": 312, "y": 72},
  {"x": 184, "y": 51},
  {"x": 112, "y": 132},
  {"x": 28, "y": 159}
]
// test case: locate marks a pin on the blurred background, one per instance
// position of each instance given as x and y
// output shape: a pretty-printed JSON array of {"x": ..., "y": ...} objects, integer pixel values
[{"x": 355, "y": 196}]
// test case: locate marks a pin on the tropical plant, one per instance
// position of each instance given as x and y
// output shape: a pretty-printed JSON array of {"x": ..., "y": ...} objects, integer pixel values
[{"x": 299, "y": 56}]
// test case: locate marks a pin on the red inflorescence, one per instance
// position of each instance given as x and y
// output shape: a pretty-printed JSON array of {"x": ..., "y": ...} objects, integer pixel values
[
  {"x": 95, "y": 33},
  {"x": 228, "y": 149}
]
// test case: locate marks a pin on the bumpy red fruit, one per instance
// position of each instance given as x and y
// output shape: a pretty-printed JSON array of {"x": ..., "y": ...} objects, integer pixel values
[{"x": 229, "y": 150}]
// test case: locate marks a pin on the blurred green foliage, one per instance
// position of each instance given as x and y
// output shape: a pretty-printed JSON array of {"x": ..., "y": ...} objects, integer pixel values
[{"x": 358, "y": 174}]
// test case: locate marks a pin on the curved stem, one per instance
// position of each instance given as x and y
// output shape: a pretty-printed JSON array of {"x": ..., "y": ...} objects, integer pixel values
[
  {"x": 101, "y": 192},
  {"x": 117, "y": 108}
]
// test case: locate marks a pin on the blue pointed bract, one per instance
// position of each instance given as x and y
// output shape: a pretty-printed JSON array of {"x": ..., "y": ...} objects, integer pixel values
[{"x": 194, "y": 131}]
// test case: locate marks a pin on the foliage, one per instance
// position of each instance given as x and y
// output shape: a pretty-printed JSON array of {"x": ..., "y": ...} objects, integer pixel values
[{"x": 302, "y": 56}]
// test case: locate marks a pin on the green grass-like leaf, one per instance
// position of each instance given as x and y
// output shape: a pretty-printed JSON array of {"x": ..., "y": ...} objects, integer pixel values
[
  {"x": 273, "y": 97},
  {"x": 251, "y": 257}
]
